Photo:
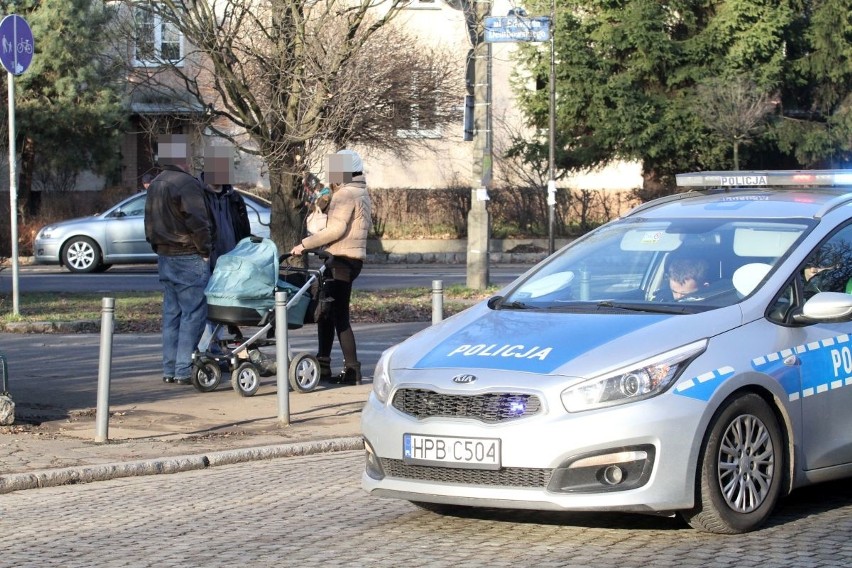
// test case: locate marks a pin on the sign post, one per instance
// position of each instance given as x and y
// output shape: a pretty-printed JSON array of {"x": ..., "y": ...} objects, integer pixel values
[
  {"x": 16, "y": 53},
  {"x": 518, "y": 27}
]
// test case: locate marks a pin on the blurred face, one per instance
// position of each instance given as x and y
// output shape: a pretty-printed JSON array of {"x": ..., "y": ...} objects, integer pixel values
[
  {"x": 173, "y": 150},
  {"x": 339, "y": 168},
  {"x": 219, "y": 164}
]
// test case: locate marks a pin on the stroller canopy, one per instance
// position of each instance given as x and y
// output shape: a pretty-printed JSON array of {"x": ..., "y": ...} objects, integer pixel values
[{"x": 246, "y": 277}]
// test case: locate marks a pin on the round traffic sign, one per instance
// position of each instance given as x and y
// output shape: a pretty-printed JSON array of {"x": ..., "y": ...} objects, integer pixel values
[{"x": 16, "y": 44}]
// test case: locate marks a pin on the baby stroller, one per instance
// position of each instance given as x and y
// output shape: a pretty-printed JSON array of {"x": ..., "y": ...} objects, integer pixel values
[{"x": 241, "y": 292}]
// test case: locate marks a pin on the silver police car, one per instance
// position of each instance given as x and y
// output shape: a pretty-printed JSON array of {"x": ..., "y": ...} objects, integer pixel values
[{"x": 692, "y": 357}]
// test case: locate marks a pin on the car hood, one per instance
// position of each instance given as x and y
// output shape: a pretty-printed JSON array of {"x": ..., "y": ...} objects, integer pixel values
[
  {"x": 567, "y": 344},
  {"x": 76, "y": 221}
]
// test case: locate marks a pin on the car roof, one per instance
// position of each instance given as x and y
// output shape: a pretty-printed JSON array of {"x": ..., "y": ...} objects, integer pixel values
[
  {"x": 257, "y": 198},
  {"x": 787, "y": 194}
]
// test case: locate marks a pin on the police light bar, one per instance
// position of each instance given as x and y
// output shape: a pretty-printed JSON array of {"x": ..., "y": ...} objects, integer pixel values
[{"x": 776, "y": 178}]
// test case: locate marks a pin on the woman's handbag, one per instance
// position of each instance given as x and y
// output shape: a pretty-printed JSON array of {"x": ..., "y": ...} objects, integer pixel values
[{"x": 316, "y": 221}]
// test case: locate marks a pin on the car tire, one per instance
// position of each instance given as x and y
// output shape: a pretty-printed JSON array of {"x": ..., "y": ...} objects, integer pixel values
[
  {"x": 81, "y": 254},
  {"x": 740, "y": 470}
]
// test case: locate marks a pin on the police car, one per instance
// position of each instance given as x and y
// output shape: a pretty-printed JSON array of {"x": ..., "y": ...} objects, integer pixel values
[{"x": 691, "y": 357}]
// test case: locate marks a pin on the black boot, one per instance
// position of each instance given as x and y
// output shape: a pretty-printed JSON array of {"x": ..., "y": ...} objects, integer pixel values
[
  {"x": 324, "y": 368},
  {"x": 351, "y": 374}
]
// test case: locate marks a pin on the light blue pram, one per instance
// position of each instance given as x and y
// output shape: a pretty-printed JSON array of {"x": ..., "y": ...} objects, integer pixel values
[{"x": 241, "y": 292}]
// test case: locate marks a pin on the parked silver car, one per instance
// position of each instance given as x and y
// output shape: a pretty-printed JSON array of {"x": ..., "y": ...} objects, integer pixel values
[
  {"x": 93, "y": 244},
  {"x": 692, "y": 357}
]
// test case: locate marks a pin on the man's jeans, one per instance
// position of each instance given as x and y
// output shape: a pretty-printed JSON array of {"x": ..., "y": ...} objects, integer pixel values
[
  {"x": 207, "y": 339},
  {"x": 184, "y": 310}
]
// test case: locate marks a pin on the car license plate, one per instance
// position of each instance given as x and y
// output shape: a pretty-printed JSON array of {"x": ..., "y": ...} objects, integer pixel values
[{"x": 448, "y": 451}]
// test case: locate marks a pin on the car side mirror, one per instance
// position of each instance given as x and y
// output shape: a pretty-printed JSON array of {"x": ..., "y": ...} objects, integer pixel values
[{"x": 826, "y": 307}]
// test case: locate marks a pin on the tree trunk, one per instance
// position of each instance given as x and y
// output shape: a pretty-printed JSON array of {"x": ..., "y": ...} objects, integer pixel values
[
  {"x": 287, "y": 208},
  {"x": 26, "y": 199},
  {"x": 736, "y": 155},
  {"x": 653, "y": 185}
]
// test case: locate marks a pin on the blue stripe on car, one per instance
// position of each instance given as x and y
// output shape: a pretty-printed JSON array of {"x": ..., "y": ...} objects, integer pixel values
[
  {"x": 530, "y": 342},
  {"x": 703, "y": 386}
]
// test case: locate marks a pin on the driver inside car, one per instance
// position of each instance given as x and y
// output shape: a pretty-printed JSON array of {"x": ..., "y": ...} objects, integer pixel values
[{"x": 686, "y": 276}]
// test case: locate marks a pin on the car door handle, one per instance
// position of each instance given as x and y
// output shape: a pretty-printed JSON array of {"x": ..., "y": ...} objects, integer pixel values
[{"x": 791, "y": 360}]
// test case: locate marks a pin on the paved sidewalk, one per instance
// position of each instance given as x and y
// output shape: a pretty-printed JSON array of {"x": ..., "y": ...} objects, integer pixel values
[{"x": 156, "y": 427}]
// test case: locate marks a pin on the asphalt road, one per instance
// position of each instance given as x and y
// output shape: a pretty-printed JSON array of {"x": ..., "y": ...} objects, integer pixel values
[
  {"x": 42, "y": 362},
  {"x": 311, "y": 511},
  {"x": 143, "y": 277}
]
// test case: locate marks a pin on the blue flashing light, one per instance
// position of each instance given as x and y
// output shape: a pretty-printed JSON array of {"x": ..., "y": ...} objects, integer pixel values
[{"x": 517, "y": 407}]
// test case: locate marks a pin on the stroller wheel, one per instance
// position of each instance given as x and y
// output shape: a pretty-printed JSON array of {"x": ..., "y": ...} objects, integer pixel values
[
  {"x": 304, "y": 372},
  {"x": 246, "y": 379},
  {"x": 206, "y": 375}
]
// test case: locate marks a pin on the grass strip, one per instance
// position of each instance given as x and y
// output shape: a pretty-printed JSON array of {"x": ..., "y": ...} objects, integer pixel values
[{"x": 140, "y": 312}]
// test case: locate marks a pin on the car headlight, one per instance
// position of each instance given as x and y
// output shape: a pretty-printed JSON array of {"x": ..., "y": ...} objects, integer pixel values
[
  {"x": 381, "y": 377},
  {"x": 46, "y": 233},
  {"x": 637, "y": 382}
]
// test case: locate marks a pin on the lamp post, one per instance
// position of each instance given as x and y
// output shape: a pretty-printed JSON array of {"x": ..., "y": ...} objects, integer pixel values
[
  {"x": 551, "y": 182},
  {"x": 478, "y": 219}
]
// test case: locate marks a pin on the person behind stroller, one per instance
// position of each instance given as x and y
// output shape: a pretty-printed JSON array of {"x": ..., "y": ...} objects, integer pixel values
[
  {"x": 228, "y": 213},
  {"x": 345, "y": 237},
  {"x": 178, "y": 227}
]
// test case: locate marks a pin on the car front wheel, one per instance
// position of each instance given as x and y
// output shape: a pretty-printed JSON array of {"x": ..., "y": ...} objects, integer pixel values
[
  {"x": 81, "y": 254},
  {"x": 741, "y": 468}
]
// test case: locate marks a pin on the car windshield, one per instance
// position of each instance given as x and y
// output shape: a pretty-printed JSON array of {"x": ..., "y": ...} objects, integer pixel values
[{"x": 668, "y": 266}]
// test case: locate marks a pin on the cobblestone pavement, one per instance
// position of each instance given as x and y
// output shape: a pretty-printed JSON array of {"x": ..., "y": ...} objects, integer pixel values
[
  {"x": 54, "y": 381},
  {"x": 311, "y": 511}
]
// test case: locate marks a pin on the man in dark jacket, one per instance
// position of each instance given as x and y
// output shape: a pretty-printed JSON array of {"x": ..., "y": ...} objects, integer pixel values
[
  {"x": 229, "y": 217},
  {"x": 178, "y": 226}
]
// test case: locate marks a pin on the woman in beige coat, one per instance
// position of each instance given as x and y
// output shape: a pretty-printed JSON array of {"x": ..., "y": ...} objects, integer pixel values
[{"x": 345, "y": 237}]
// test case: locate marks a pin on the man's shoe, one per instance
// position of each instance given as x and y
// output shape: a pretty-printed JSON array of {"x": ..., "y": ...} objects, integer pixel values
[
  {"x": 183, "y": 381},
  {"x": 168, "y": 379}
]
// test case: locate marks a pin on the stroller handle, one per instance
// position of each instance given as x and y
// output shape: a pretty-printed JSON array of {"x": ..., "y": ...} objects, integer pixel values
[{"x": 325, "y": 256}]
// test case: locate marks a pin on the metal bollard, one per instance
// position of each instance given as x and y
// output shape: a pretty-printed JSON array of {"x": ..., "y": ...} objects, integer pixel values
[
  {"x": 282, "y": 358},
  {"x": 437, "y": 301},
  {"x": 104, "y": 370},
  {"x": 4, "y": 375}
]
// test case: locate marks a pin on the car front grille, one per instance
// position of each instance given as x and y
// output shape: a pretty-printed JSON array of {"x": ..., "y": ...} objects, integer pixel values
[
  {"x": 504, "y": 477},
  {"x": 489, "y": 407}
]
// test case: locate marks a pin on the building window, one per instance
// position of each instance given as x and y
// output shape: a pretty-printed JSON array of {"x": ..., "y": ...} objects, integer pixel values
[
  {"x": 157, "y": 41},
  {"x": 416, "y": 117}
]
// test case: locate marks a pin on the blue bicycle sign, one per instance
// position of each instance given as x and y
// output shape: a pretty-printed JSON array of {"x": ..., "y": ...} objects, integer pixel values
[{"x": 16, "y": 44}]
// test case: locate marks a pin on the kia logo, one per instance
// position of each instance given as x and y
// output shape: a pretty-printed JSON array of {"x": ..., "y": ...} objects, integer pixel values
[{"x": 464, "y": 379}]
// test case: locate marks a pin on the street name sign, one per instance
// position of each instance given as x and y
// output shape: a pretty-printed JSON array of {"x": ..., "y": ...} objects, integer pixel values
[{"x": 517, "y": 28}]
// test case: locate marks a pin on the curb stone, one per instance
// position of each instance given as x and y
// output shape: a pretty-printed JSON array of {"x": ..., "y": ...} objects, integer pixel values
[{"x": 87, "y": 474}]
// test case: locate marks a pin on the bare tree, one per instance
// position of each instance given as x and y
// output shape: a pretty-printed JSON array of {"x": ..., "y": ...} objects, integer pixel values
[
  {"x": 395, "y": 94},
  {"x": 523, "y": 170},
  {"x": 735, "y": 109},
  {"x": 282, "y": 78}
]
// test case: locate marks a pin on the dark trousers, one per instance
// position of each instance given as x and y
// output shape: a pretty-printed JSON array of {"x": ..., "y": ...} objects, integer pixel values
[{"x": 338, "y": 288}]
